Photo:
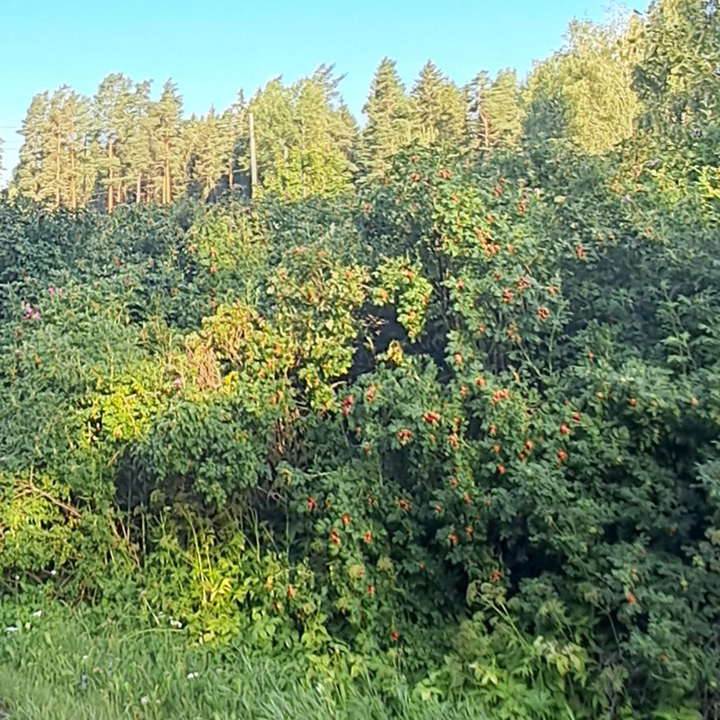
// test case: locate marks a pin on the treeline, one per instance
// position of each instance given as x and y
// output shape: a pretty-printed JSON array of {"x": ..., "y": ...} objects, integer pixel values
[{"x": 123, "y": 146}]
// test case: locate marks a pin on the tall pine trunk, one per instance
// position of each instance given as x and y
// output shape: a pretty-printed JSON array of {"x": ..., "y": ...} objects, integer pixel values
[
  {"x": 167, "y": 192},
  {"x": 57, "y": 171},
  {"x": 110, "y": 203},
  {"x": 73, "y": 188}
]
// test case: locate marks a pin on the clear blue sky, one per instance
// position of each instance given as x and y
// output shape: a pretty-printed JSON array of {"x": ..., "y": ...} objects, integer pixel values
[{"x": 213, "y": 48}]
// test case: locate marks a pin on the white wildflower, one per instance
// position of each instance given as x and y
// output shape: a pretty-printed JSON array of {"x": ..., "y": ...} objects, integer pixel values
[
  {"x": 37, "y": 613},
  {"x": 193, "y": 675},
  {"x": 12, "y": 629},
  {"x": 144, "y": 700}
]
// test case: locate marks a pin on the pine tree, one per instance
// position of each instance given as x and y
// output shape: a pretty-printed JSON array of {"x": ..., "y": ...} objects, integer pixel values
[
  {"x": 208, "y": 152},
  {"x": 137, "y": 151},
  {"x": 112, "y": 115},
  {"x": 389, "y": 121},
  {"x": 194, "y": 136},
  {"x": 234, "y": 132},
  {"x": 494, "y": 115},
  {"x": 27, "y": 177},
  {"x": 57, "y": 162},
  {"x": 82, "y": 151},
  {"x": 439, "y": 107},
  {"x": 169, "y": 160},
  {"x": 55, "y": 165}
]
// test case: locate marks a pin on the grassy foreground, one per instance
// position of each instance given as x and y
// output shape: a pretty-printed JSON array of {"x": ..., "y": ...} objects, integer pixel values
[{"x": 63, "y": 663}]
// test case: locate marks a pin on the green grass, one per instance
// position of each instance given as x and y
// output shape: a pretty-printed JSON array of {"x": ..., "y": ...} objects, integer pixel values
[{"x": 74, "y": 665}]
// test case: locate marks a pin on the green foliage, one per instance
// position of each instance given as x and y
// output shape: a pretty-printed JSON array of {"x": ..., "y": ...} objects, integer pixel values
[
  {"x": 678, "y": 75},
  {"x": 457, "y": 430},
  {"x": 408, "y": 290}
]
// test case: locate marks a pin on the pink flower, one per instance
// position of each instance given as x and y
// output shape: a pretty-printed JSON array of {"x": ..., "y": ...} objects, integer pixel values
[{"x": 30, "y": 313}]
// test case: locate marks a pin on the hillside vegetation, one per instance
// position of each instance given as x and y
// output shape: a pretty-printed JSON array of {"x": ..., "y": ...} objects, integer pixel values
[{"x": 437, "y": 439}]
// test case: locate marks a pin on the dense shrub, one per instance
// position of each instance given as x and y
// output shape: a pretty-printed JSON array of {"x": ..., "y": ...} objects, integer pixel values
[{"x": 465, "y": 422}]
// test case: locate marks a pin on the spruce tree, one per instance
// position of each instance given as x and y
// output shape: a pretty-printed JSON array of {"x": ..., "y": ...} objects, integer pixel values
[
  {"x": 439, "y": 107},
  {"x": 389, "y": 121},
  {"x": 326, "y": 135},
  {"x": 275, "y": 133}
]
